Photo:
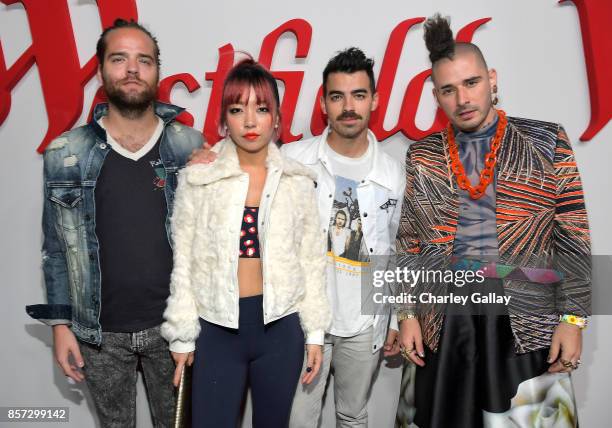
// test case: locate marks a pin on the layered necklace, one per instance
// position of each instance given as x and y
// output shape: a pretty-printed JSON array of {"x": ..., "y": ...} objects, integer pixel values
[{"x": 487, "y": 173}]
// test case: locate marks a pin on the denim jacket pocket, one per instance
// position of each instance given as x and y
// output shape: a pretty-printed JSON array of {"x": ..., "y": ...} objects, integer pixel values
[
  {"x": 66, "y": 200},
  {"x": 67, "y": 197}
]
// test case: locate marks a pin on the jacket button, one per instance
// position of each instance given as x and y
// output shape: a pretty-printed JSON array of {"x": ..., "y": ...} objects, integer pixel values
[
  {"x": 102, "y": 146},
  {"x": 371, "y": 250},
  {"x": 365, "y": 214},
  {"x": 330, "y": 195},
  {"x": 374, "y": 346}
]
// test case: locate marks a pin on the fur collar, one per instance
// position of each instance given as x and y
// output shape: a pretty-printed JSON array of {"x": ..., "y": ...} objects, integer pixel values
[{"x": 226, "y": 165}]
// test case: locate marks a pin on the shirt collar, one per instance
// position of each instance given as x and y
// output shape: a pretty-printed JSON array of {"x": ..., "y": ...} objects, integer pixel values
[
  {"x": 378, "y": 174},
  {"x": 482, "y": 134}
]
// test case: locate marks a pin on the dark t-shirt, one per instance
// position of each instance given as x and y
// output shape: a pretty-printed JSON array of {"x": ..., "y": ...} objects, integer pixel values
[{"x": 135, "y": 256}]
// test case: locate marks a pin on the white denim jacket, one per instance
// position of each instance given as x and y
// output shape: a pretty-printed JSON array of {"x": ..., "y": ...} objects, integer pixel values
[
  {"x": 380, "y": 198},
  {"x": 206, "y": 224}
]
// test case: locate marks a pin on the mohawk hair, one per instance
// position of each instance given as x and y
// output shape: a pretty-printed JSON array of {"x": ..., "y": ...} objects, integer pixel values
[
  {"x": 441, "y": 44},
  {"x": 439, "y": 38}
]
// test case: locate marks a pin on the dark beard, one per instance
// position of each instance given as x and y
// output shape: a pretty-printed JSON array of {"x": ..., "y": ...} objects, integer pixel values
[{"x": 131, "y": 107}]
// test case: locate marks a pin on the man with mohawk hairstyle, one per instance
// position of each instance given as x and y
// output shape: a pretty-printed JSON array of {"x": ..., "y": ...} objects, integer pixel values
[{"x": 503, "y": 196}]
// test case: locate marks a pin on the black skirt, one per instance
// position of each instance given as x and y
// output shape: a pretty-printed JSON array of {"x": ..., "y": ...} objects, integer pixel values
[{"x": 477, "y": 372}]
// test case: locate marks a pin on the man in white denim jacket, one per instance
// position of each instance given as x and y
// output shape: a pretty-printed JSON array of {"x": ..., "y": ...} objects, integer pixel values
[{"x": 354, "y": 177}]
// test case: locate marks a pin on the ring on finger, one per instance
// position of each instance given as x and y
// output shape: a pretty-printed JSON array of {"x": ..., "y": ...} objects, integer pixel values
[{"x": 406, "y": 353}]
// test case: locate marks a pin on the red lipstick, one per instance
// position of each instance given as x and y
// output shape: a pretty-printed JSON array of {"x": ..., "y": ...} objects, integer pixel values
[{"x": 251, "y": 136}]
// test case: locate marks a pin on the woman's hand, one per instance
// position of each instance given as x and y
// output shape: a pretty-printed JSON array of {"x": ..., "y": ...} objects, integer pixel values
[
  {"x": 314, "y": 360},
  {"x": 180, "y": 359}
]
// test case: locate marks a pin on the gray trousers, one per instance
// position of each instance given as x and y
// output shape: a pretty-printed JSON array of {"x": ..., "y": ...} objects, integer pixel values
[
  {"x": 354, "y": 365},
  {"x": 111, "y": 373}
]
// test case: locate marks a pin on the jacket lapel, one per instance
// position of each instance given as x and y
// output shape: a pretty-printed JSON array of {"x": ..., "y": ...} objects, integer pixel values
[{"x": 523, "y": 194}]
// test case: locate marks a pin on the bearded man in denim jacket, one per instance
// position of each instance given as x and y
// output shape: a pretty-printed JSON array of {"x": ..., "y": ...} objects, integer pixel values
[{"x": 109, "y": 189}]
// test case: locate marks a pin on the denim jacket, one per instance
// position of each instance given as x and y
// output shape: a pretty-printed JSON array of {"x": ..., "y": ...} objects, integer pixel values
[
  {"x": 71, "y": 266},
  {"x": 380, "y": 200}
]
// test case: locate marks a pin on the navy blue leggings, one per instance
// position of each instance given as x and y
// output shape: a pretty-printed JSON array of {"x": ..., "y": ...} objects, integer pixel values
[{"x": 267, "y": 358}]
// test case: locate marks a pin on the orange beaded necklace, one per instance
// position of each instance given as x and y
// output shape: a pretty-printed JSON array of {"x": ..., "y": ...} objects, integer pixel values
[{"x": 487, "y": 173}]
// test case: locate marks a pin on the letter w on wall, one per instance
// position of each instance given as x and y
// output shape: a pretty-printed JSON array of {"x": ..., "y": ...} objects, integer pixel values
[{"x": 54, "y": 52}]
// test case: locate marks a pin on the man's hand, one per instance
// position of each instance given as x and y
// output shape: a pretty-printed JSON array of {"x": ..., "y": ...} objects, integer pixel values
[
  {"x": 392, "y": 346},
  {"x": 566, "y": 346},
  {"x": 180, "y": 359},
  {"x": 203, "y": 155},
  {"x": 411, "y": 340},
  {"x": 65, "y": 345},
  {"x": 313, "y": 362}
]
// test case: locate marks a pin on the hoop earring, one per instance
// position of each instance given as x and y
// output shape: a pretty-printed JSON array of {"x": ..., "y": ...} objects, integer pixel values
[{"x": 494, "y": 97}]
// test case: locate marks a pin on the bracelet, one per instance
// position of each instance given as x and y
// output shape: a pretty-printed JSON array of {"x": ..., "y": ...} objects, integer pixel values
[
  {"x": 405, "y": 316},
  {"x": 579, "y": 322}
]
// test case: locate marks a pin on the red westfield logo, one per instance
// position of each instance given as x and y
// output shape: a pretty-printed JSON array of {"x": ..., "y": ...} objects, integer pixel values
[{"x": 62, "y": 78}]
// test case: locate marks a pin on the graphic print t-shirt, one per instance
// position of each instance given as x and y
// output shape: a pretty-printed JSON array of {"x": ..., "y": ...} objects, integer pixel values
[{"x": 346, "y": 249}]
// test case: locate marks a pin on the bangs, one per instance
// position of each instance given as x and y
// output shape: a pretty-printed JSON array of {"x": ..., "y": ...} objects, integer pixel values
[
  {"x": 237, "y": 92},
  {"x": 242, "y": 77}
]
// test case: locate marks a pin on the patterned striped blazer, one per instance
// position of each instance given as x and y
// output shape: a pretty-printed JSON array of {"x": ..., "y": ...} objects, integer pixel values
[{"x": 540, "y": 216}]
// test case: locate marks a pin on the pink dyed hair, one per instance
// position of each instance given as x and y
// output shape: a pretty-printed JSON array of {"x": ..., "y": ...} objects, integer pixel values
[{"x": 244, "y": 75}]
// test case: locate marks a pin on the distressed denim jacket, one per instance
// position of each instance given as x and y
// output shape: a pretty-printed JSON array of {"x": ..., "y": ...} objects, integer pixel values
[{"x": 71, "y": 265}]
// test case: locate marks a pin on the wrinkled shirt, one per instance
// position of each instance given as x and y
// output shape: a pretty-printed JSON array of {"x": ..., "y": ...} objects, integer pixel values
[{"x": 476, "y": 228}]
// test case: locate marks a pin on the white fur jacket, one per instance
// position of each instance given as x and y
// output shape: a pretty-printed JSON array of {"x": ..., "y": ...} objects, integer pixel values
[{"x": 206, "y": 226}]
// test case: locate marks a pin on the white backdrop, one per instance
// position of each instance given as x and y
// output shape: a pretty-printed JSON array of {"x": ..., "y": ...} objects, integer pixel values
[{"x": 535, "y": 46}]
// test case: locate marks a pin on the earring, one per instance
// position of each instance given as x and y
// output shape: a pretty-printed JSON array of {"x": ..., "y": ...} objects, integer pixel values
[{"x": 494, "y": 97}]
